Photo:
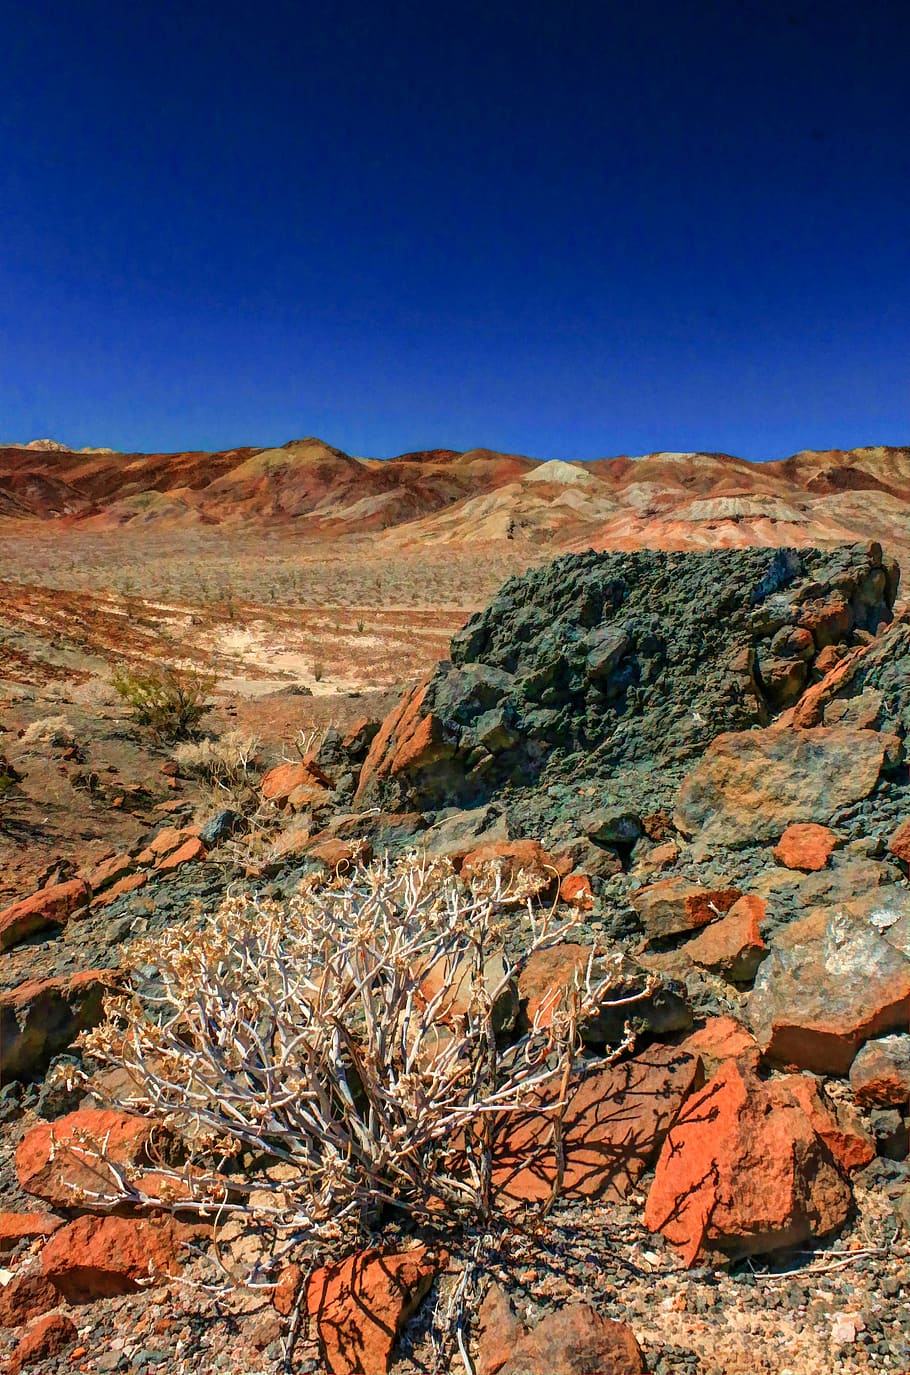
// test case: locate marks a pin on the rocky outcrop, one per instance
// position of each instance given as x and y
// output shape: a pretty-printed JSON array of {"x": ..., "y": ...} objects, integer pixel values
[
  {"x": 620, "y": 668},
  {"x": 39, "y": 1019},
  {"x": 50, "y": 907},
  {"x": 99, "y": 1257}
]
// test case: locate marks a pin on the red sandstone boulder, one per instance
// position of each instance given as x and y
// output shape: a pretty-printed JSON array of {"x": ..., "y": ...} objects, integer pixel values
[
  {"x": 551, "y": 974},
  {"x": 744, "y": 1172},
  {"x": 98, "y": 1257},
  {"x": 880, "y": 1074},
  {"x": 130, "y": 884},
  {"x": 41, "y": 1018},
  {"x": 837, "y": 1124},
  {"x": 750, "y": 785},
  {"x": 573, "y": 1340},
  {"x": 806, "y": 846},
  {"x": 49, "y": 1337},
  {"x": 674, "y": 905},
  {"x": 409, "y": 739},
  {"x": 191, "y": 850},
  {"x": 834, "y": 980},
  {"x": 524, "y": 865},
  {"x": 360, "y": 1305},
  {"x": 57, "y": 1161},
  {"x": 732, "y": 946},
  {"x": 46, "y": 908},
  {"x": 16, "y": 1227},
  {"x": 575, "y": 890},
  {"x": 613, "y": 1126},
  {"x": 110, "y": 871}
]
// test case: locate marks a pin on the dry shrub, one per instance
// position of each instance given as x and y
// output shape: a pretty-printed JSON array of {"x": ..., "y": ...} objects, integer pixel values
[
  {"x": 224, "y": 763},
  {"x": 169, "y": 703},
  {"x": 298, "y": 1052},
  {"x": 50, "y": 730}
]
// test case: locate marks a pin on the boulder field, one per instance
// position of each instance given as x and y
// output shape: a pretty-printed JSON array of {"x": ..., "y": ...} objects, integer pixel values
[{"x": 701, "y": 758}]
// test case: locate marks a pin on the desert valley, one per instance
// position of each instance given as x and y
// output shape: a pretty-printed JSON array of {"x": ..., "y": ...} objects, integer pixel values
[{"x": 587, "y": 785}]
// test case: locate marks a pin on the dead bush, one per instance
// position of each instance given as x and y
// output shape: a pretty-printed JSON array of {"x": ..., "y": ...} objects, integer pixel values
[
  {"x": 337, "y": 1055},
  {"x": 50, "y": 730}
]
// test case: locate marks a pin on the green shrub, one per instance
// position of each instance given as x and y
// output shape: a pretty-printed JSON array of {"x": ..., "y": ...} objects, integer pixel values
[{"x": 170, "y": 703}]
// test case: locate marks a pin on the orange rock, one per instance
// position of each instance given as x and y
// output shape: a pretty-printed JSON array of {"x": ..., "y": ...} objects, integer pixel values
[
  {"x": 336, "y": 854},
  {"x": 47, "y": 907},
  {"x": 744, "y": 1172},
  {"x": 674, "y": 905},
  {"x": 26, "y": 1296},
  {"x": 880, "y": 1074},
  {"x": 805, "y": 846},
  {"x": 99, "y": 1257},
  {"x": 284, "y": 1295},
  {"x": 524, "y": 864},
  {"x": 360, "y": 1304},
  {"x": 575, "y": 889},
  {"x": 308, "y": 794},
  {"x": 280, "y": 783},
  {"x": 720, "y": 1039},
  {"x": 572, "y": 1340},
  {"x": 110, "y": 871},
  {"x": 899, "y": 842},
  {"x": 130, "y": 884},
  {"x": 614, "y": 1125},
  {"x": 408, "y": 739},
  {"x": 732, "y": 946},
  {"x": 167, "y": 840},
  {"x": 190, "y": 850},
  {"x": 54, "y": 1159},
  {"x": 48, "y": 1337},
  {"x": 837, "y": 1124},
  {"x": 14, "y": 1227}
]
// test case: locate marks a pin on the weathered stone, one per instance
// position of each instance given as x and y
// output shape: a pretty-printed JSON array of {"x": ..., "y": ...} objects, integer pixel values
[
  {"x": 130, "y": 884},
  {"x": 524, "y": 866},
  {"x": 287, "y": 1290},
  {"x": 832, "y": 981},
  {"x": 549, "y": 973},
  {"x": 837, "y": 1124},
  {"x": 110, "y": 871},
  {"x": 190, "y": 851},
  {"x": 57, "y": 1161},
  {"x": 50, "y": 907},
  {"x": 100, "y": 1257},
  {"x": 453, "y": 986},
  {"x": 674, "y": 905},
  {"x": 805, "y": 846},
  {"x": 360, "y": 1305},
  {"x": 575, "y": 890},
  {"x": 572, "y": 1340},
  {"x": 750, "y": 785},
  {"x": 612, "y": 825},
  {"x": 880, "y": 1074},
  {"x": 27, "y": 1295},
  {"x": 49, "y": 1337},
  {"x": 721, "y": 1039},
  {"x": 279, "y": 783},
  {"x": 41, "y": 1018},
  {"x": 16, "y": 1227},
  {"x": 743, "y": 1172},
  {"x": 899, "y": 842},
  {"x": 613, "y": 1126},
  {"x": 732, "y": 946}
]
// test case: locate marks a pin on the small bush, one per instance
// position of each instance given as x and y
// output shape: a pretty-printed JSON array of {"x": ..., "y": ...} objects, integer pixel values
[
  {"x": 169, "y": 703},
  {"x": 50, "y": 730},
  {"x": 227, "y": 763}
]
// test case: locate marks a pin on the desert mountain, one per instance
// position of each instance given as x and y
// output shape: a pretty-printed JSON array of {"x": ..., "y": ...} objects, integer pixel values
[{"x": 663, "y": 500}]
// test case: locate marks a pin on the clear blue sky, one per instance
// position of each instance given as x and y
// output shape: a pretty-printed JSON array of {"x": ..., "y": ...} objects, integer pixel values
[{"x": 565, "y": 229}]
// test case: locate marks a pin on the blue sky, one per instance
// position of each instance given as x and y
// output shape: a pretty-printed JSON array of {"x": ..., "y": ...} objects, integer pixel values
[{"x": 569, "y": 230}]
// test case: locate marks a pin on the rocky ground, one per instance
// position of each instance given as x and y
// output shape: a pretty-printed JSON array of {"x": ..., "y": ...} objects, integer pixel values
[{"x": 700, "y": 761}]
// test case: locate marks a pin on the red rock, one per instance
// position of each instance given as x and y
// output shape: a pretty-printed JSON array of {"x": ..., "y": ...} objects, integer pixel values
[
  {"x": 750, "y": 785},
  {"x": 899, "y": 842},
  {"x": 720, "y": 1039},
  {"x": 54, "y": 1159},
  {"x": 49, "y": 1337},
  {"x": 674, "y": 905},
  {"x": 47, "y": 907},
  {"x": 837, "y": 1125},
  {"x": 805, "y": 846},
  {"x": 15, "y": 1227},
  {"x": 286, "y": 1291},
  {"x": 614, "y": 1125},
  {"x": 307, "y": 796},
  {"x": 99, "y": 1257},
  {"x": 575, "y": 889},
  {"x": 189, "y": 851},
  {"x": 880, "y": 1074},
  {"x": 408, "y": 739},
  {"x": 455, "y": 982},
  {"x": 131, "y": 884},
  {"x": 572, "y": 1340},
  {"x": 41, "y": 1018},
  {"x": 280, "y": 783},
  {"x": 360, "y": 1304},
  {"x": 832, "y": 982},
  {"x": 525, "y": 866},
  {"x": 26, "y": 1296},
  {"x": 732, "y": 946},
  {"x": 110, "y": 871},
  {"x": 167, "y": 840},
  {"x": 339, "y": 855},
  {"x": 744, "y": 1172}
]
